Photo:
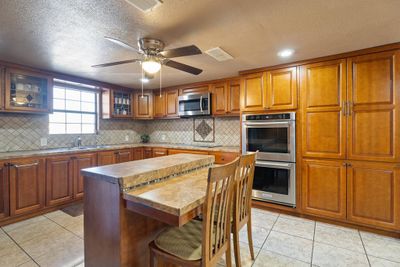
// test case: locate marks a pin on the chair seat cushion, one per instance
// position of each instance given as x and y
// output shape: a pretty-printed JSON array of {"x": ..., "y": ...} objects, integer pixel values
[{"x": 183, "y": 242}]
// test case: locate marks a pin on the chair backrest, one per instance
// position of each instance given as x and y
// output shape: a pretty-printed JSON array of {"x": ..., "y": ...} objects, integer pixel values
[
  {"x": 217, "y": 212},
  {"x": 244, "y": 186}
]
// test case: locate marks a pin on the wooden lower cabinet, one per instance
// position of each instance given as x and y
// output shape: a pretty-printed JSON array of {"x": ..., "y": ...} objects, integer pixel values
[
  {"x": 123, "y": 155},
  {"x": 4, "y": 191},
  {"x": 160, "y": 152},
  {"x": 82, "y": 161},
  {"x": 27, "y": 185},
  {"x": 105, "y": 158},
  {"x": 138, "y": 153},
  {"x": 59, "y": 180},
  {"x": 324, "y": 188},
  {"x": 373, "y": 191},
  {"x": 147, "y": 152}
]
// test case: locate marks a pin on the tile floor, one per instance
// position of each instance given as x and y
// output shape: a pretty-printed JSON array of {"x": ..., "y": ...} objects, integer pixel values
[{"x": 56, "y": 239}]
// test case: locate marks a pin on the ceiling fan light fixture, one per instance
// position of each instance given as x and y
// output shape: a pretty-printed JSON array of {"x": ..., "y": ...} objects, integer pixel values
[
  {"x": 151, "y": 66},
  {"x": 144, "y": 80}
]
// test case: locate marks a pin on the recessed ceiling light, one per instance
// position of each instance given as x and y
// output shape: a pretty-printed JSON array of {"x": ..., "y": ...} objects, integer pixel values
[
  {"x": 285, "y": 53},
  {"x": 144, "y": 80}
]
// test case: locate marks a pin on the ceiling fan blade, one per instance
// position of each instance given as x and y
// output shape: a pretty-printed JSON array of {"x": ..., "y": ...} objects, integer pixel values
[
  {"x": 121, "y": 43},
  {"x": 115, "y": 63},
  {"x": 181, "y": 51},
  {"x": 183, "y": 67}
]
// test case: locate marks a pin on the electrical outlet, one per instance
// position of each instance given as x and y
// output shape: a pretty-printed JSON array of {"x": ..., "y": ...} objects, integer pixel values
[
  {"x": 43, "y": 141},
  {"x": 163, "y": 137},
  {"x": 126, "y": 138}
]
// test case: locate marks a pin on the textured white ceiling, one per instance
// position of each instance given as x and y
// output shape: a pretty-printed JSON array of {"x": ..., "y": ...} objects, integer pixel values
[{"x": 67, "y": 36}]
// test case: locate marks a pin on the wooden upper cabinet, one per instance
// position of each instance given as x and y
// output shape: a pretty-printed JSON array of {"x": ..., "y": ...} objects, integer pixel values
[
  {"x": 253, "y": 92},
  {"x": 171, "y": 99},
  {"x": 82, "y": 161},
  {"x": 374, "y": 99},
  {"x": 323, "y": 98},
  {"x": 117, "y": 104},
  {"x": 159, "y": 105},
  {"x": 123, "y": 155},
  {"x": 282, "y": 89},
  {"x": 373, "y": 192},
  {"x": 195, "y": 89},
  {"x": 324, "y": 188},
  {"x": 28, "y": 91},
  {"x": 59, "y": 180},
  {"x": 143, "y": 105},
  {"x": 233, "y": 97},
  {"x": 219, "y": 98},
  {"x": 27, "y": 185},
  {"x": 4, "y": 191}
]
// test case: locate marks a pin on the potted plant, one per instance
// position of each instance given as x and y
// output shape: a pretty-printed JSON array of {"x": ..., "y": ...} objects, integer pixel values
[{"x": 145, "y": 138}]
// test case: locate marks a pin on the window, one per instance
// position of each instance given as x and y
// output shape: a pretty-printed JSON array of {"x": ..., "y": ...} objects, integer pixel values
[{"x": 74, "y": 109}]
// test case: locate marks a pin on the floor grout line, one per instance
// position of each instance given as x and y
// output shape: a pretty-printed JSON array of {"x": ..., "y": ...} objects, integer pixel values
[
  {"x": 313, "y": 243},
  {"x": 64, "y": 227},
  {"x": 365, "y": 250}
]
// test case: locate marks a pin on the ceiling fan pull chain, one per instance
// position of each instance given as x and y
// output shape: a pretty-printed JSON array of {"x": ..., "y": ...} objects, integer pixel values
[
  {"x": 142, "y": 80},
  {"x": 160, "y": 80}
]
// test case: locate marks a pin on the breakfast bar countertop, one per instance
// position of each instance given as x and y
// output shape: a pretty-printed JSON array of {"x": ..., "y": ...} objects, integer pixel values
[{"x": 141, "y": 173}]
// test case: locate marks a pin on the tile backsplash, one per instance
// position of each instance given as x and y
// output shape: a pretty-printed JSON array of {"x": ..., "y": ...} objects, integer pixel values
[{"x": 23, "y": 132}]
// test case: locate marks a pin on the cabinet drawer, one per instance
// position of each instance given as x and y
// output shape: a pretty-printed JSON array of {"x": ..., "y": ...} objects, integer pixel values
[
  {"x": 184, "y": 151},
  {"x": 159, "y": 152},
  {"x": 224, "y": 157},
  {"x": 147, "y": 153}
]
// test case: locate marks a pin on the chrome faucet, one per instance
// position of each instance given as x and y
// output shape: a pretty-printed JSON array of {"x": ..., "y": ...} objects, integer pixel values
[{"x": 78, "y": 142}]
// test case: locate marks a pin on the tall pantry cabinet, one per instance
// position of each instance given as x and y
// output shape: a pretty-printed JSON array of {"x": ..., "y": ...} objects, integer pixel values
[{"x": 351, "y": 139}]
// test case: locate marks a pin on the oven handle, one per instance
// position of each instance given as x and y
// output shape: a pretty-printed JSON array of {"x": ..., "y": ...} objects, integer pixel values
[
  {"x": 266, "y": 124},
  {"x": 274, "y": 164}
]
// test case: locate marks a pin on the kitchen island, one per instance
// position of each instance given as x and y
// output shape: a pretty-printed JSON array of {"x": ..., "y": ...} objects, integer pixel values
[{"x": 127, "y": 205}]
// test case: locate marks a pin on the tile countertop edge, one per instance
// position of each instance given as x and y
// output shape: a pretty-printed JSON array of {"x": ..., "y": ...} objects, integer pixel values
[{"x": 64, "y": 151}]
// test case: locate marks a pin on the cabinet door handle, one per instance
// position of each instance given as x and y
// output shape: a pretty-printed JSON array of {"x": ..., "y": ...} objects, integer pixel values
[
  {"x": 159, "y": 153},
  {"x": 24, "y": 165}
]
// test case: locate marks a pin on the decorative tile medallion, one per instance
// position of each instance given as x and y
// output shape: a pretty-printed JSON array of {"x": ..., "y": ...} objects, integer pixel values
[{"x": 203, "y": 130}]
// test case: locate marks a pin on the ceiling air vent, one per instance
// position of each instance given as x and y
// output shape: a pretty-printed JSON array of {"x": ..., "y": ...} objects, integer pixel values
[
  {"x": 144, "y": 5},
  {"x": 218, "y": 54}
]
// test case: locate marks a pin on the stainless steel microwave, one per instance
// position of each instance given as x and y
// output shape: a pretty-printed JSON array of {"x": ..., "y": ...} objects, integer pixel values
[{"x": 194, "y": 104}]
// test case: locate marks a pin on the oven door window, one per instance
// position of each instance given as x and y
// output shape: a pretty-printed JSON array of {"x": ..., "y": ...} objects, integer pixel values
[
  {"x": 272, "y": 180},
  {"x": 269, "y": 140}
]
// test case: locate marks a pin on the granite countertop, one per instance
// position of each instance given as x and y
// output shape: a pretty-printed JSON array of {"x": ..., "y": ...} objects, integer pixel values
[
  {"x": 175, "y": 196},
  {"x": 58, "y": 151},
  {"x": 139, "y": 173}
]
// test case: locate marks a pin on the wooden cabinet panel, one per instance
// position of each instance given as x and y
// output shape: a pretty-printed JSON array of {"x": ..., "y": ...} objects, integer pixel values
[
  {"x": 185, "y": 151},
  {"x": 224, "y": 157},
  {"x": 138, "y": 153},
  {"x": 374, "y": 194},
  {"x": 323, "y": 94},
  {"x": 123, "y": 155},
  {"x": 105, "y": 158},
  {"x": 4, "y": 191},
  {"x": 219, "y": 98},
  {"x": 324, "y": 188},
  {"x": 282, "y": 89},
  {"x": 374, "y": 116},
  {"x": 116, "y": 104},
  {"x": 2, "y": 82},
  {"x": 159, "y": 105},
  {"x": 233, "y": 101},
  {"x": 171, "y": 98},
  {"x": 143, "y": 105},
  {"x": 159, "y": 152},
  {"x": 253, "y": 92},
  {"x": 147, "y": 152},
  {"x": 82, "y": 161},
  {"x": 27, "y": 185},
  {"x": 59, "y": 180},
  {"x": 195, "y": 89}
]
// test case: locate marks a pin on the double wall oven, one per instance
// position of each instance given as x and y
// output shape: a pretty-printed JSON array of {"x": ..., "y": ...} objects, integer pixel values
[{"x": 274, "y": 137}]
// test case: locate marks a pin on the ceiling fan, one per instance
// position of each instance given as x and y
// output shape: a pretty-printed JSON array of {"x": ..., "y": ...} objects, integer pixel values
[{"x": 153, "y": 55}]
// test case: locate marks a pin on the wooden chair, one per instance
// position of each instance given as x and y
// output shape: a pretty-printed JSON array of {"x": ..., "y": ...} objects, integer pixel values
[
  {"x": 242, "y": 203},
  {"x": 202, "y": 243}
]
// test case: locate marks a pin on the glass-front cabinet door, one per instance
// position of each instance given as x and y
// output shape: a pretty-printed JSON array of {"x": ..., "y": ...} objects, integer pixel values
[{"x": 27, "y": 91}]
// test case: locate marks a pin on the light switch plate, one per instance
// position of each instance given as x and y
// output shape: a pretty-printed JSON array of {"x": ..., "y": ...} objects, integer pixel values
[
  {"x": 126, "y": 138},
  {"x": 163, "y": 137},
  {"x": 43, "y": 141}
]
